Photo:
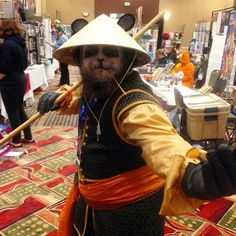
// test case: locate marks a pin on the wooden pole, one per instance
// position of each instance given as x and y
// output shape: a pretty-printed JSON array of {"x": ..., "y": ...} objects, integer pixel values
[
  {"x": 71, "y": 89},
  {"x": 149, "y": 25}
]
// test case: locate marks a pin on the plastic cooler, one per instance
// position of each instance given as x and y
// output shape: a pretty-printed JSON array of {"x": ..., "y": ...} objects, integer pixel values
[{"x": 206, "y": 116}]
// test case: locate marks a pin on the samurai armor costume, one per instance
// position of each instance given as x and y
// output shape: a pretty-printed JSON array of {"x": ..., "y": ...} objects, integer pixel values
[{"x": 108, "y": 155}]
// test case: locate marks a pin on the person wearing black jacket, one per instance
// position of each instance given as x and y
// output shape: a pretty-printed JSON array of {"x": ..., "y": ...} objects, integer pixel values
[{"x": 13, "y": 62}]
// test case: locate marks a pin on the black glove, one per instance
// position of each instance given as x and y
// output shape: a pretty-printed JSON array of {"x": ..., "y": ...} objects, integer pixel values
[
  {"x": 213, "y": 178},
  {"x": 46, "y": 102}
]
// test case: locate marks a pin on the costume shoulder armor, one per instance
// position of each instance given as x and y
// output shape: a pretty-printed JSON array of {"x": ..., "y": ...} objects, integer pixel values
[{"x": 131, "y": 98}]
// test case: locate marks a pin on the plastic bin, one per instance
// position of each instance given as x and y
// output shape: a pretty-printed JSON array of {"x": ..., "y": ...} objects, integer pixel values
[{"x": 206, "y": 116}]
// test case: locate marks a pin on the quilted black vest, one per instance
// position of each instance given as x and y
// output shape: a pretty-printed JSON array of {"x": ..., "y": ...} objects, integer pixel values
[{"x": 110, "y": 155}]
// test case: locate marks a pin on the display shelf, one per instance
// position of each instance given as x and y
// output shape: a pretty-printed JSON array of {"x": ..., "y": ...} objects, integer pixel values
[
  {"x": 37, "y": 36},
  {"x": 31, "y": 41},
  {"x": 201, "y": 37},
  {"x": 7, "y": 9}
]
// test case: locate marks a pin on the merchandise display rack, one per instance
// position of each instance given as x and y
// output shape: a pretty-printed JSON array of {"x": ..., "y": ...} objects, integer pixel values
[
  {"x": 6, "y": 9},
  {"x": 201, "y": 37},
  {"x": 37, "y": 34},
  {"x": 31, "y": 37}
]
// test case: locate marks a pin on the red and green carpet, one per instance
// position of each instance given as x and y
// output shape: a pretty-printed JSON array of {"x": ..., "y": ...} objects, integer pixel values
[{"x": 33, "y": 190}]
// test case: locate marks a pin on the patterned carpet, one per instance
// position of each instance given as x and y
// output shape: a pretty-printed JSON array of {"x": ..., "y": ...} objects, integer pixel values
[
  {"x": 33, "y": 190},
  {"x": 33, "y": 187}
]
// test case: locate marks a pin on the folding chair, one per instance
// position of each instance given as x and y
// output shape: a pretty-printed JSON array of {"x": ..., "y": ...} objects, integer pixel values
[
  {"x": 219, "y": 86},
  {"x": 215, "y": 75}
]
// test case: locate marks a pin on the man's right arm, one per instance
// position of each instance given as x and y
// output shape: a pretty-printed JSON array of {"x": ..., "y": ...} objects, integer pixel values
[{"x": 67, "y": 107}]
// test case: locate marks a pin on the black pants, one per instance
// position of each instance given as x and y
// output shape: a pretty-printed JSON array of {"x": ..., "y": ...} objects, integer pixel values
[
  {"x": 64, "y": 74},
  {"x": 12, "y": 97}
]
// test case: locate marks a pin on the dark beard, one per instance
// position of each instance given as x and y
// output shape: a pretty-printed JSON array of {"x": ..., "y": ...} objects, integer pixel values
[{"x": 97, "y": 88}]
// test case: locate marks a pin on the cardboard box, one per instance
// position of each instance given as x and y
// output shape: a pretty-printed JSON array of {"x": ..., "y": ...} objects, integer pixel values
[{"x": 206, "y": 116}]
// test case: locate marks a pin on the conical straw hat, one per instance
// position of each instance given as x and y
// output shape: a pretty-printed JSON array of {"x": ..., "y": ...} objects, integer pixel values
[{"x": 101, "y": 31}]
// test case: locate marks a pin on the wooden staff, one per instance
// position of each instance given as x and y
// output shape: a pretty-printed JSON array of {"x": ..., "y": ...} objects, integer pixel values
[
  {"x": 149, "y": 25},
  {"x": 71, "y": 89}
]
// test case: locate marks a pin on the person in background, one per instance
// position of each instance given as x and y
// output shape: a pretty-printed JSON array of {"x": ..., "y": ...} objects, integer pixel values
[
  {"x": 175, "y": 53},
  {"x": 133, "y": 167},
  {"x": 161, "y": 58},
  {"x": 178, "y": 49},
  {"x": 13, "y": 62},
  {"x": 172, "y": 56},
  {"x": 187, "y": 68},
  {"x": 61, "y": 39}
]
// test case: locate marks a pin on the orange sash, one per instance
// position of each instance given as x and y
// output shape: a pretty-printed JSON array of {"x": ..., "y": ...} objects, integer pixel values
[
  {"x": 66, "y": 216},
  {"x": 122, "y": 189},
  {"x": 108, "y": 194}
]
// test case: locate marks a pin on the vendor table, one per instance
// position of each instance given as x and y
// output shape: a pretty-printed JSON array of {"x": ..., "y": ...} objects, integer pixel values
[
  {"x": 166, "y": 92},
  {"x": 36, "y": 78}
]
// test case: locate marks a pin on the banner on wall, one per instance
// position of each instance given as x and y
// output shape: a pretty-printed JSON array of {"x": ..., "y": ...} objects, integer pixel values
[
  {"x": 220, "y": 22},
  {"x": 228, "y": 64},
  {"x": 216, "y": 54},
  {"x": 216, "y": 19}
]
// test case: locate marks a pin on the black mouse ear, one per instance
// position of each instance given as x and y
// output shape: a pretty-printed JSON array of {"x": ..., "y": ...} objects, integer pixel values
[
  {"x": 126, "y": 21},
  {"x": 77, "y": 25}
]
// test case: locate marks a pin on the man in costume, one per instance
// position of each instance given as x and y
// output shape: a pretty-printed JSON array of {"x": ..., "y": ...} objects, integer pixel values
[{"x": 133, "y": 167}]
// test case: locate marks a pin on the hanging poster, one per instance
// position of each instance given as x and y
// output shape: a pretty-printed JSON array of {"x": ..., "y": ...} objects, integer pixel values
[
  {"x": 228, "y": 63},
  {"x": 224, "y": 21},
  {"x": 216, "y": 54},
  {"x": 216, "y": 21}
]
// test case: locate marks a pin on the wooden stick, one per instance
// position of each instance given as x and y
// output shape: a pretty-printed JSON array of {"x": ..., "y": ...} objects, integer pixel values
[
  {"x": 149, "y": 25},
  {"x": 37, "y": 115},
  {"x": 71, "y": 89}
]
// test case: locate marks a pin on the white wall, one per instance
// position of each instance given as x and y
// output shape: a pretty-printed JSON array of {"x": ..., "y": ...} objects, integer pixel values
[
  {"x": 185, "y": 13},
  {"x": 69, "y": 9}
]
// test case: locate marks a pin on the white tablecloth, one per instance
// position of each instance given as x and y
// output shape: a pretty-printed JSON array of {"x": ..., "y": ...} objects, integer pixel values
[
  {"x": 37, "y": 78},
  {"x": 166, "y": 92},
  {"x": 50, "y": 69}
]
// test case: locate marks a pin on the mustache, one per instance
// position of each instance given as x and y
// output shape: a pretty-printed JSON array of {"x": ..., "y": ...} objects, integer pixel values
[{"x": 100, "y": 65}]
